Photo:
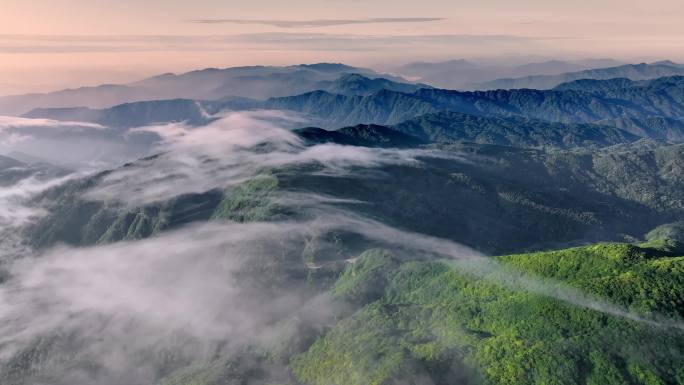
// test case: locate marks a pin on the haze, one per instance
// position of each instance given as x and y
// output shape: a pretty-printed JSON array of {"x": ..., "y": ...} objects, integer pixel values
[{"x": 46, "y": 45}]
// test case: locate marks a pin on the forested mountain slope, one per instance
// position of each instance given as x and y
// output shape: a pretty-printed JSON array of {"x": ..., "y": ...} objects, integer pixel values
[
  {"x": 660, "y": 98},
  {"x": 467, "y": 322},
  {"x": 492, "y": 198}
]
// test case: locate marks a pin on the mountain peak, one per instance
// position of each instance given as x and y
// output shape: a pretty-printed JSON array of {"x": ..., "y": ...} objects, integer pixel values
[
  {"x": 669, "y": 63},
  {"x": 327, "y": 67},
  {"x": 352, "y": 76}
]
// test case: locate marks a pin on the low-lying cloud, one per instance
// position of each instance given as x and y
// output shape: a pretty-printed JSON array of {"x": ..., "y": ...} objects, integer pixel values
[
  {"x": 13, "y": 122},
  {"x": 76, "y": 145},
  {"x": 132, "y": 312},
  {"x": 230, "y": 151},
  {"x": 18, "y": 186},
  {"x": 199, "y": 292}
]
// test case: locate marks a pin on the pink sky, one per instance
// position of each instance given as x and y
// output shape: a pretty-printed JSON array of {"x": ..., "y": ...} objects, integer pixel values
[{"x": 48, "y": 44}]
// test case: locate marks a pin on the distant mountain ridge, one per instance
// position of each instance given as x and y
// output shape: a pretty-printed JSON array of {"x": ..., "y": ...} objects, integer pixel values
[
  {"x": 262, "y": 82},
  {"x": 132, "y": 114},
  {"x": 662, "y": 92},
  {"x": 462, "y": 74},
  {"x": 659, "y": 98},
  {"x": 356, "y": 84},
  {"x": 258, "y": 82},
  {"x": 642, "y": 71},
  {"x": 194, "y": 112},
  {"x": 650, "y": 108}
]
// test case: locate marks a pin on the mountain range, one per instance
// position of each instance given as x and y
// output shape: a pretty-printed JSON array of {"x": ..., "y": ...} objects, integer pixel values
[
  {"x": 212, "y": 83},
  {"x": 261, "y": 82},
  {"x": 326, "y": 225},
  {"x": 394, "y": 314},
  {"x": 659, "y": 98},
  {"x": 583, "y": 113},
  {"x": 641, "y": 71},
  {"x": 465, "y": 75}
]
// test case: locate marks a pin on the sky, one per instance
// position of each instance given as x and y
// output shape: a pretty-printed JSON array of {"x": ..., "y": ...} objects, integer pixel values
[{"x": 50, "y": 44}]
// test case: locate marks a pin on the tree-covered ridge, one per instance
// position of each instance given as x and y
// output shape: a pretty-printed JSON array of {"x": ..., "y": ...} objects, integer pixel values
[
  {"x": 618, "y": 86},
  {"x": 661, "y": 98},
  {"x": 652, "y": 109},
  {"x": 466, "y": 322},
  {"x": 76, "y": 220},
  {"x": 445, "y": 127},
  {"x": 658, "y": 128},
  {"x": 425, "y": 320},
  {"x": 511, "y": 131},
  {"x": 495, "y": 199},
  {"x": 367, "y": 135}
]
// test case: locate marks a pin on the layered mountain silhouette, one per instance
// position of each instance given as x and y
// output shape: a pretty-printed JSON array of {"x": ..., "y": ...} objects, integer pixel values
[
  {"x": 466, "y": 75},
  {"x": 403, "y": 235},
  {"x": 641, "y": 71},
  {"x": 571, "y": 103},
  {"x": 257, "y": 82},
  {"x": 597, "y": 112}
]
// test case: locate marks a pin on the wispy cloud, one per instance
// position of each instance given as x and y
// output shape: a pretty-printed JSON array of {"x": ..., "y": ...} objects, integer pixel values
[
  {"x": 318, "y": 22},
  {"x": 9, "y": 122},
  {"x": 258, "y": 41},
  {"x": 75, "y": 145},
  {"x": 221, "y": 155},
  {"x": 214, "y": 290}
]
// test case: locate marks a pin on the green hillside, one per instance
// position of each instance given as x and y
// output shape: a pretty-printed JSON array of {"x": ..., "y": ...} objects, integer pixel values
[
  {"x": 469, "y": 322},
  {"x": 491, "y": 321}
]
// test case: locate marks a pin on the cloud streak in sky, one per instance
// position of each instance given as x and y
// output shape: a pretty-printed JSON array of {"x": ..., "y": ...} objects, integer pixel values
[
  {"x": 316, "y": 23},
  {"x": 255, "y": 41}
]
